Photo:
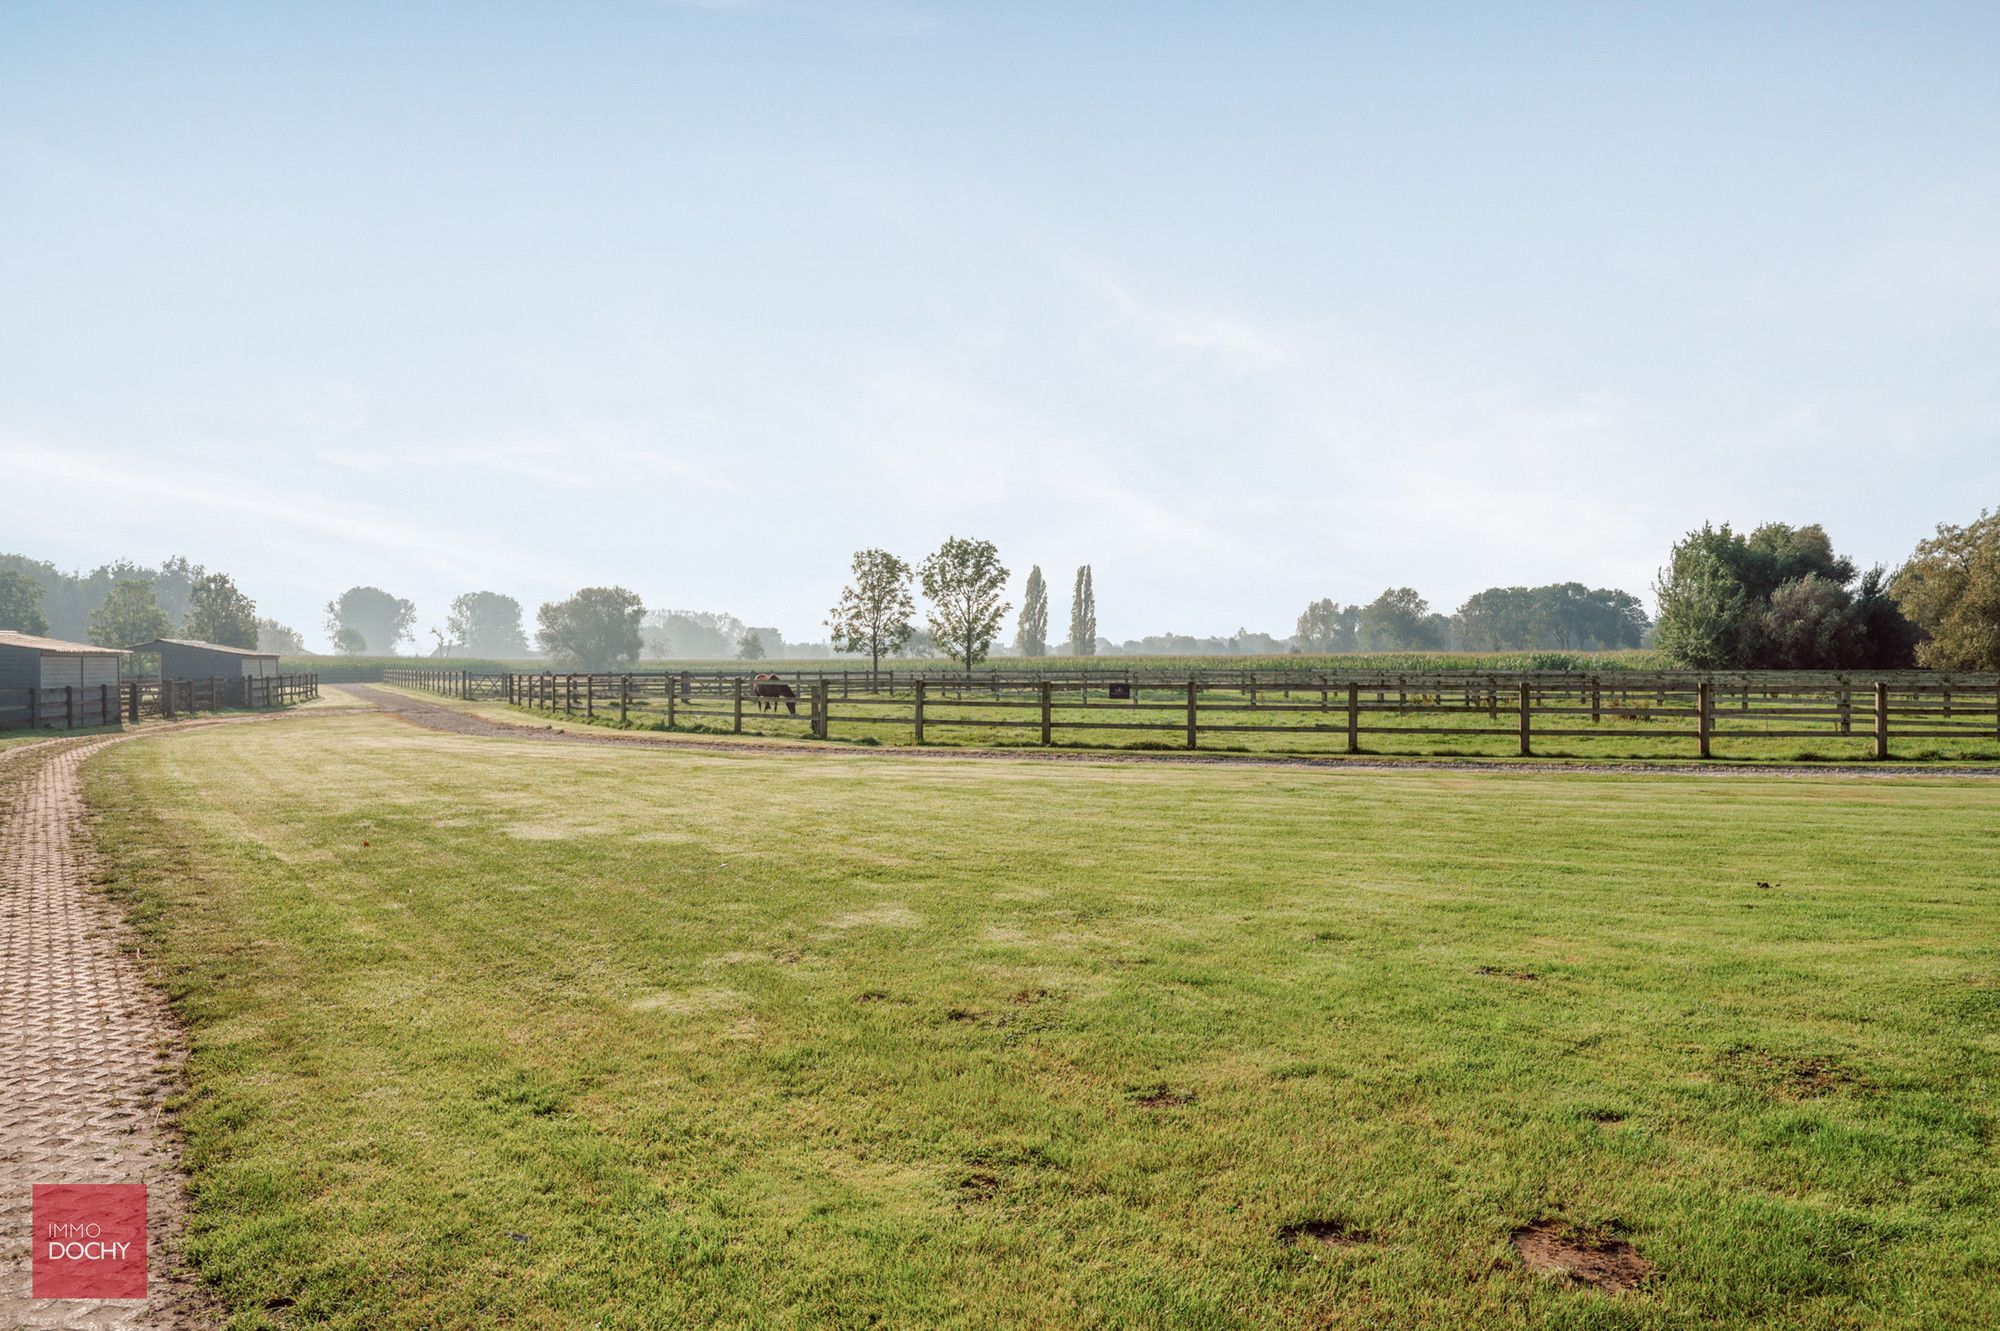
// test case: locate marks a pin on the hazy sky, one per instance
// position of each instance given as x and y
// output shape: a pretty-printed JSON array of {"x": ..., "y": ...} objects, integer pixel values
[{"x": 1243, "y": 304}]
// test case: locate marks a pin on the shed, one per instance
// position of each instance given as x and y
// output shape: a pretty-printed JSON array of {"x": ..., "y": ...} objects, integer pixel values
[
  {"x": 88, "y": 673},
  {"x": 184, "y": 658}
]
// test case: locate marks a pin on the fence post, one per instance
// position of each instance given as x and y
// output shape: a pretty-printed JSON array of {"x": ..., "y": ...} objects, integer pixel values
[
  {"x": 673, "y": 696},
  {"x": 822, "y": 706},
  {"x": 590, "y": 695},
  {"x": 920, "y": 711},
  {"x": 1353, "y": 717},
  {"x": 1527, "y": 702},
  {"x": 1846, "y": 707},
  {"x": 1596, "y": 700},
  {"x": 737, "y": 724},
  {"x": 624, "y": 696},
  {"x": 134, "y": 687},
  {"x": 1045, "y": 712},
  {"x": 1704, "y": 712},
  {"x": 1192, "y": 705},
  {"x": 1881, "y": 719}
]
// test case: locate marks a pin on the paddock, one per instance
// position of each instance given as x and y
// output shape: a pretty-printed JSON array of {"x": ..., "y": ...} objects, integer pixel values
[{"x": 1909, "y": 715}]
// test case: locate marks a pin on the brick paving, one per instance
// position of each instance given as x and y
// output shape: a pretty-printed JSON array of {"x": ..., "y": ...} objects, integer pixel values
[{"x": 88, "y": 1051}]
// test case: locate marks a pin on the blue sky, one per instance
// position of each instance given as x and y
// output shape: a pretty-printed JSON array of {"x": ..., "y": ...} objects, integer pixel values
[{"x": 1243, "y": 304}]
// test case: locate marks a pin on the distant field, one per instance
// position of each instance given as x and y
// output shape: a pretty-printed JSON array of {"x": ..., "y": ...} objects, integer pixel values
[{"x": 491, "y": 1033}]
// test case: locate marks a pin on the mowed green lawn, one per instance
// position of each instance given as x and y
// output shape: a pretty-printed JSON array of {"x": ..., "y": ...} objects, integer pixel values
[{"x": 492, "y": 1033}]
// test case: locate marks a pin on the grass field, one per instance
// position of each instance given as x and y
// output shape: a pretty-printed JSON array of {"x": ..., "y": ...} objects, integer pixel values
[
  {"x": 490, "y": 1033},
  {"x": 1295, "y": 727}
]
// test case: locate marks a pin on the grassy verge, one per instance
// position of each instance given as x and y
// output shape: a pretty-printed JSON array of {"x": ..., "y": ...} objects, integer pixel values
[{"x": 502, "y": 1034}]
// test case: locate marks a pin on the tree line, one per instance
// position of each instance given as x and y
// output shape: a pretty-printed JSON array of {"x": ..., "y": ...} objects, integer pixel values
[
  {"x": 123, "y": 603},
  {"x": 1776, "y": 597},
  {"x": 1781, "y": 598}
]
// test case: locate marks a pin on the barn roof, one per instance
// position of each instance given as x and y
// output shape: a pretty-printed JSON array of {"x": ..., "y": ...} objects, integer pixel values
[
  {"x": 53, "y": 646},
  {"x": 203, "y": 646}
]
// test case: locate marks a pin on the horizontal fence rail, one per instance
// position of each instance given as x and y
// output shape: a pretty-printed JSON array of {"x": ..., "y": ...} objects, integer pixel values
[
  {"x": 71, "y": 706},
  {"x": 1690, "y": 712}
]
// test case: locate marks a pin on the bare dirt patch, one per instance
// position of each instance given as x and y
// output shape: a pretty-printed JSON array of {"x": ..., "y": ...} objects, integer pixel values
[
  {"x": 1602, "y": 1261},
  {"x": 1324, "y": 1233},
  {"x": 1501, "y": 972},
  {"x": 1791, "y": 1077},
  {"x": 1160, "y": 1096},
  {"x": 979, "y": 1185}
]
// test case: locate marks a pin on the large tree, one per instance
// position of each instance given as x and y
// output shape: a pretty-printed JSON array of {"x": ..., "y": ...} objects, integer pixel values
[
  {"x": 1083, "y": 614},
  {"x": 596, "y": 629},
  {"x": 691, "y": 635},
  {"x": 1951, "y": 590},
  {"x": 874, "y": 611},
  {"x": 1032, "y": 634},
  {"x": 381, "y": 620},
  {"x": 751, "y": 648},
  {"x": 128, "y": 616},
  {"x": 219, "y": 613},
  {"x": 1326, "y": 626},
  {"x": 281, "y": 638},
  {"x": 487, "y": 624},
  {"x": 1808, "y": 623},
  {"x": 1775, "y": 599},
  {"x": 963, "y": 581},
  {"x": 1564, "y": 615},
  {"x": 173, "y": 587},
  {"x": 21, "y": 604},
  {"x": 1496, "y": 619},
  {"x": 1399, "y": 620}
]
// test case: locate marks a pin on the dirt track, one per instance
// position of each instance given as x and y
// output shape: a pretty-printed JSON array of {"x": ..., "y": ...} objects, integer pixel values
[{"x": 442, "y": 716}]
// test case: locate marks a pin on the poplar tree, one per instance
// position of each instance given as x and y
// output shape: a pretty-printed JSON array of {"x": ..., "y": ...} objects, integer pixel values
[
  {"x": 1033, "y": 638},
  {"x": 1083, "y": 615}
]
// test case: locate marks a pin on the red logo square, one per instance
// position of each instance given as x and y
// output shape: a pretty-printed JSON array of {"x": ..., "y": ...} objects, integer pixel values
[{"x": 90, "y": 1241}]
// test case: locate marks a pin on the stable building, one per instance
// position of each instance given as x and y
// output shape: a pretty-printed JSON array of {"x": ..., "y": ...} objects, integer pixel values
[
  {"x": 185, "y": 658},
  {"x": 46, "y": 682}
]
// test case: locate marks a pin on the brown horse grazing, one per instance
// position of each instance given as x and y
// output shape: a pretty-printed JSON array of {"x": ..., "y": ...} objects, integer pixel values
[{"x": 768, "y": 689}]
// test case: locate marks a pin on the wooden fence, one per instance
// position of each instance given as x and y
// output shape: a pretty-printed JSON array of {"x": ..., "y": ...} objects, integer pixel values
[
  {"x": 72, "y": 706},
  {"x": 1690, "y": 712}
]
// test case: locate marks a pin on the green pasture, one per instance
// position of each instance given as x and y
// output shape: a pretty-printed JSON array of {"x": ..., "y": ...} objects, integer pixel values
[
  {"x": 491, "y": 1033},
  {"x": 1302, "y": 721}
]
